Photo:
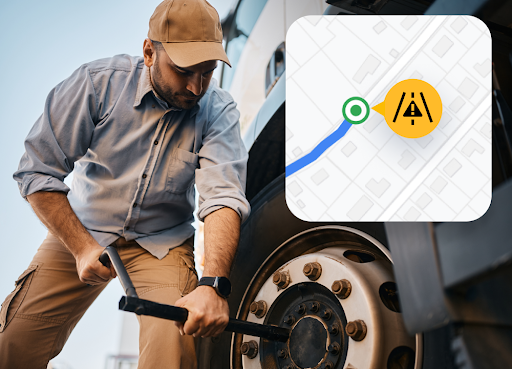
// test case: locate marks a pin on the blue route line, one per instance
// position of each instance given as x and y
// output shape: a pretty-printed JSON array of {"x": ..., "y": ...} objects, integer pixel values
[{"x": 319, "y": 149}]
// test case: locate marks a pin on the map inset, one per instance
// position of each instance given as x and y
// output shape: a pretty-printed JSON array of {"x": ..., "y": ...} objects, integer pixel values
[{"x": 344, "y": 162}]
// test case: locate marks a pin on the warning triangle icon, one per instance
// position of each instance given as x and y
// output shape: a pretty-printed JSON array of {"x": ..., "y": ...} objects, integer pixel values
[{"x": 412, "y": 110}]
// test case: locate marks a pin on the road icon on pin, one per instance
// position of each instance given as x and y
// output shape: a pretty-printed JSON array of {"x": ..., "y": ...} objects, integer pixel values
[{"x": 418, "y": 108}]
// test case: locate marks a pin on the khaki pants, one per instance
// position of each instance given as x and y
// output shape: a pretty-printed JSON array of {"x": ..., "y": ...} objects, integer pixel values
[{"x": 37, "y": 318}]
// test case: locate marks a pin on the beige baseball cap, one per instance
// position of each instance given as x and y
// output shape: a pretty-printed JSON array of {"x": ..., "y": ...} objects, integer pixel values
[{"x": 189, "y": 30}]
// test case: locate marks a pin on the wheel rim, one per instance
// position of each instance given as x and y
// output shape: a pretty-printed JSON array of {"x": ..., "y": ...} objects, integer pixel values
[{"x": 370, "y": 305}]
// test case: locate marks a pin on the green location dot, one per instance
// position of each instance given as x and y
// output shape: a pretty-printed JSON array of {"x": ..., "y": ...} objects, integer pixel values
[
  {"x": 356, "y": 110},
  {"x": 359, "y": 108}
]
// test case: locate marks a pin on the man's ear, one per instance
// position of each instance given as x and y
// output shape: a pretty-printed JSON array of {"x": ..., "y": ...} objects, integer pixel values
[{"x": 149, "y": 53}]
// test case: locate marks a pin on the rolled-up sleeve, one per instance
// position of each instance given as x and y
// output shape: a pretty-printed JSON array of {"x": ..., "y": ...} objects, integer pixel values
[
  {"x": 59, "y": 137},
  {"x": 221, "y": 177}
]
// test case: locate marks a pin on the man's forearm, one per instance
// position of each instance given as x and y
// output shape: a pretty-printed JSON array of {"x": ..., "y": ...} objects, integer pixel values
[
  {"x": 221, "y": 236},
  {"x": 54, "y": 210}
]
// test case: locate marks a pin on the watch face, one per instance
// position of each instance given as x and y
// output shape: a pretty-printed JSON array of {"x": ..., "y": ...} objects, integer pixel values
[{"x": 224, "y": 286}]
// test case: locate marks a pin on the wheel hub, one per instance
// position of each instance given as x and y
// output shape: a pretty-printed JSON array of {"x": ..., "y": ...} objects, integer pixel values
[{"x": 317, "y": 321}]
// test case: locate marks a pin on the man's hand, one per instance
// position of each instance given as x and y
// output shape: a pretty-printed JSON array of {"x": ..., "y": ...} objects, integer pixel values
[
  {"x": 53, "y": 209},
  {"x": 90, "y": 269},
  {"x": 208, "y": 313}
]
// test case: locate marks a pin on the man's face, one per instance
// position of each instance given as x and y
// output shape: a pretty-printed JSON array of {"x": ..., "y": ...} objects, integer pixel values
[{"x": 179, "y": 87}]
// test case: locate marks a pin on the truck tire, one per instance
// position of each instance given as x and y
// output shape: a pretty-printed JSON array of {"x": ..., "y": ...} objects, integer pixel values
[{"x": 272, "y": 238}]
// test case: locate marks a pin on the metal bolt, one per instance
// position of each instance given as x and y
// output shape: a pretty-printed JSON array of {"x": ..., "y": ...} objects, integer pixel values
[
  {"x": 314, "y": 306},
  {"x": 341, "y": 288},
  {"x": 250, "y": 349},
  {"x": 334, "y": 348},
  {"x": 290, "y": 320},
  {"x": 301, "y": 309},
  {"x": 281, "y": 279},
  {"x": 259, "y": 308},
  {"x": 312, "y": 270},
  {"x": 282, "y": 354},
  {"x": 335, "y": 329},
  {"x": 327, "y": 314},
  {"x": 328, "y": 365},
  {"x": 356, "y": 329}
]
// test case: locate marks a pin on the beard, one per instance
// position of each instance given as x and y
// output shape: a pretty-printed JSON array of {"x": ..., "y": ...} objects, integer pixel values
[{"x": 171, "y": 97}]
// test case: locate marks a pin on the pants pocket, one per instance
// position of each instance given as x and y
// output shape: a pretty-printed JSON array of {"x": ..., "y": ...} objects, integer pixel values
[
  {"x": 188, "y": 274},
  {"x": 13, "y": 301}
]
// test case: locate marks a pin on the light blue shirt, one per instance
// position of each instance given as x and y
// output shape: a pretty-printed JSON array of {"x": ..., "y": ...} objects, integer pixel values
[{"x": 135, "y": 159}]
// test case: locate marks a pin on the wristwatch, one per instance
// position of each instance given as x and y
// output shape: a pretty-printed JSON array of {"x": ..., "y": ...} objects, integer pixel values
[{"x": 222, "y": 285}]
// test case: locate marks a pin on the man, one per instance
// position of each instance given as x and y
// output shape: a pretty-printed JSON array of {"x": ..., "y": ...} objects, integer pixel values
[{"x": 137, "y": 134}]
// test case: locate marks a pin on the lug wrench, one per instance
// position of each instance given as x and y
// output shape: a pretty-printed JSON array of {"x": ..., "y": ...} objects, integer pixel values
[{"x": 132, "y": 303}]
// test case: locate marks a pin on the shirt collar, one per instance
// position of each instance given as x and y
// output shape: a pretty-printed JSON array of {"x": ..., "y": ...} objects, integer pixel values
[{"x": 144, "y": 86}]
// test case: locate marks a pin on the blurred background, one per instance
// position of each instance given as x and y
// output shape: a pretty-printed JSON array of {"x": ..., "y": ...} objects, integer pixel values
[{"x": 43, "y": 43}]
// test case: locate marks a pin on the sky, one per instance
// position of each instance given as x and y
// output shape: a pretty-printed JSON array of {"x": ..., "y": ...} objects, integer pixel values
[{"x": 43, "y": 42}]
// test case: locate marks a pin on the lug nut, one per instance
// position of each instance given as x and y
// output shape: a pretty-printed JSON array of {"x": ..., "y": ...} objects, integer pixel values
[
  {"x": 312, "y": 270},
  {"x": 281, "y": 279},
  {"x": 328, "y": 365},
  {"x": 327, "y": 314},
  {"x": 290, "y": 320},
  {"x": 314, "y": 306},
  {"x": 334, "y": 348},
  {"x": 301, "y": 309},
  {"x": 282, "y": 354},
  {"x": 250, "y": 349},
  {"x": 356, "y": 329},
  {"x": 259, "y": 308},
  {"x": 335, "y": 329},
  {"x": 341, "y": 288}
]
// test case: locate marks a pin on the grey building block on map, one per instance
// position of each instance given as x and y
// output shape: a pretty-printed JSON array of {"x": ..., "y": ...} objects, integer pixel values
[
  {"x": 320, "y": 176},
  {"x": 379, "y": 27},
  {"x": 471, "y": 147},
  {"x": 424, "y": 200},
  {"x": 408, "y": 22},
  {"x": 468, "y": 88},
  {"x": 300, "y": 204},
  {"x": 369, "y": 66},
  {"x": 349, "y": 149},
  {"x": 416, "y": 75},
  {"x": 297, "y": 151},
  {"x": 393, "y": 53},
  {"x": 372, "y": 123},
  {"x": 486, "y": 130},
  {"x": 289, "y": 134},
  {"x": 424, "y": 141},
  {"x": 442, "y": 46},
  {"x": 360, "y": 208},
  {"x": 412, "y": 214},
  {"x": 445, "y": 119},
  {"x": 439, "y": 184},
  {"x": 294, "y": 188},
  {"x": 457, "y": 104},
  {"x": 378, "y": 188},
  {"x": 459, "y": 24},
  {"x": 406, "y": 159},
  {"x": 484, "y": 68},
  {"x": 452, "y": 167}
]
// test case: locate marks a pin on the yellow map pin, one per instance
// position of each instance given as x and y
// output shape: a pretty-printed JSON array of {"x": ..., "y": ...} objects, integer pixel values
[{"x": 412, "y": 108}]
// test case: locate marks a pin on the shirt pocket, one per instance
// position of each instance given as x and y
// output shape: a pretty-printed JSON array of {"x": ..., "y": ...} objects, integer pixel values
[
  {"x": 181, "y": 171},
  {"x": 13, "y": 301}
]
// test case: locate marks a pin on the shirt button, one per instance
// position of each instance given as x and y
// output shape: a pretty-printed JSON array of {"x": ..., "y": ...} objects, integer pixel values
[
  {"x": 135, "y": 205},
  {"x": 144, "y": 176},
  {"x": 156, "y": 142},
  {"x": 127, "y": 228}
]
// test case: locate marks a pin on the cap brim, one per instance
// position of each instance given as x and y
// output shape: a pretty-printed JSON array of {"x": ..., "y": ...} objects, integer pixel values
[{"x": 185, "y": 54}]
